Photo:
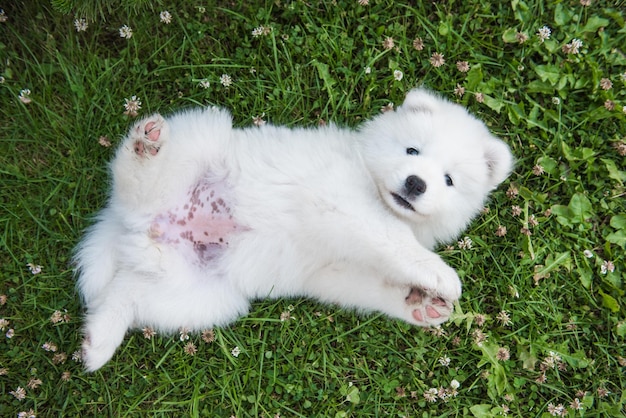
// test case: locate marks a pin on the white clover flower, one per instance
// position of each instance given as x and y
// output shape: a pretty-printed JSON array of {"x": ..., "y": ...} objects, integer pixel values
[
  {"x": 576, "y": 405},
  {"x": 573, "y": 47},
  {"x": 552, "y": 360},
  {"x": 465, "y": 243},
  {"x": 126, "y": 32},
  {"x": 607, "y": 267},
  {"x": 606, "y": 83},
  {"x": 261, "y": 31},
  {"x": 18, "y": 393},
  {"x": 556, "y": 411},
  {"x": 81, "y": 24},
  {"x": 190, "y": 349},
  {"x": 184, "y": 334},
  {"x": 504, "y": 318},
  {"x": 132, "y": 105},
  {"x": 235, "y": 351},
  {"x": 259, "y": 121},
  {"x": 226, "y": 80},
  {"x": 388, "y": 43},
  {"x": 462, "y": 66},
  {"x": 148, "y": 333},
  {"x": 57, "y": 317},
  {"x": 544, "y": 33},
  {"x": 398, "y": 75},
  {"x": 431, "y": 395},
  {"x": 77, "y": 356},
  {"x": 25, "y": 98},
  {"x": 49, "y": 346},
  {"x": 35, "y": 269},
  {"x": 444, "y": 361},
  {"x": 165, "y": 17},
  {"x": 256, "y": 32},
  {"x": 437, "y": 59}
]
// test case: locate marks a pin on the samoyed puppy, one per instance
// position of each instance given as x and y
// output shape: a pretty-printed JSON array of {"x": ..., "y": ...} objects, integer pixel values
[{"x": 203, "y": 217}]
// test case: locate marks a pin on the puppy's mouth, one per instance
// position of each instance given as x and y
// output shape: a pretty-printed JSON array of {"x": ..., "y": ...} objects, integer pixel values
[{"x": 402, "y": 202}]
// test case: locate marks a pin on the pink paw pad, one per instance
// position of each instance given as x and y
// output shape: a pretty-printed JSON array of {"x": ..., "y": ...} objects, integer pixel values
[
  {"x": 432, "y": 312},
  {"x": 427, "y": 310},
  {"x": 417, "y": 314},
  {"x": 152, "y": 131}
]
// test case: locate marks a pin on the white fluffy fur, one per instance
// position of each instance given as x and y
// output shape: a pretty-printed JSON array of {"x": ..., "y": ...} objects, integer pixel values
[{"x": 315, "y": 213}]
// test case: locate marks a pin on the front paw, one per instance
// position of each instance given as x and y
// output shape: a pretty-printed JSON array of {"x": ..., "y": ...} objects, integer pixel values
[{"x": 439, "y": 279}]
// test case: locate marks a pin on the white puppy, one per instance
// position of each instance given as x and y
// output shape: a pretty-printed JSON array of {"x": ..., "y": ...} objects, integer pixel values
[{"x": 203, "y": 218}]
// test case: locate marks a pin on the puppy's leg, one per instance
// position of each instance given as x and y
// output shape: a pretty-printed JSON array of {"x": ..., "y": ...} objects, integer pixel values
[
  {"x": 429, "y": 285},
  {"x": 105, "y": 326},
  {"x": 138, "y": 166},
  {"x": 365, "y": 290},
  {"x": 384, "y": 245}
]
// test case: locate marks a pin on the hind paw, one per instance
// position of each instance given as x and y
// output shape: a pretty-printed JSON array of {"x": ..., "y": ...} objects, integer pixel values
[
  {"x": 148, "y": 135},
  {"x": 426, "y": 309},
  {"x": 95, "y": 353}
]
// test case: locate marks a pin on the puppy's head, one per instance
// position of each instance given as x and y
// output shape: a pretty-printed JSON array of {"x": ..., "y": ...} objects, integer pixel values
[{"x": 434, "y": 164}]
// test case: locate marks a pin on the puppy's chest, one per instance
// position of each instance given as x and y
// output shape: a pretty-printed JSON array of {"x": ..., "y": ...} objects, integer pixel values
[{"x": 201, "y": 225}]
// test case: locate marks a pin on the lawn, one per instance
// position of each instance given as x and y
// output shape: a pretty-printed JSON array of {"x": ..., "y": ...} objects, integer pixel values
[{"x": 540, "y": 330}]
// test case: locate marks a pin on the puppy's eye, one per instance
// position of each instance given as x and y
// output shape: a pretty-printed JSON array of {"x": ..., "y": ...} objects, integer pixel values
[
  {"x": 449, "y": 181},
  {"x": 412, "y": 151}
]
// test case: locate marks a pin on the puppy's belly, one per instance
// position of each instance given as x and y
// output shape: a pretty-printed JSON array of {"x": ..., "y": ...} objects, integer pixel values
[{"x": 199, "y": 227}]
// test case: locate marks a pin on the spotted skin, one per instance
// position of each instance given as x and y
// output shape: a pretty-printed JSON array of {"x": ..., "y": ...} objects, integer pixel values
[{"x": 202, "y": 227}]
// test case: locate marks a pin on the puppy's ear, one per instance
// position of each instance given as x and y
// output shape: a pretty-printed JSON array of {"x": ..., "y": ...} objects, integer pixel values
[
  {"x": 421, "y": 100},
  {"x": 499, "y": 160}
]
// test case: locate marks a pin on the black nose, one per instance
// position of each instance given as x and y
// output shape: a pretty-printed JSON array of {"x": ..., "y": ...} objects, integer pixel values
[{"x": 414, "y": 186}]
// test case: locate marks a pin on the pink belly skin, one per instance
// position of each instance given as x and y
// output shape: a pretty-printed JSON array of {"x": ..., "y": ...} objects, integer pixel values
[{"x": 201, "y": 226}]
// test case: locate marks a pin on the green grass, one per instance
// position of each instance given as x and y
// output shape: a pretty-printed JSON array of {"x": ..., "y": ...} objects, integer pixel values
[{"x": 567, "y": 330}]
